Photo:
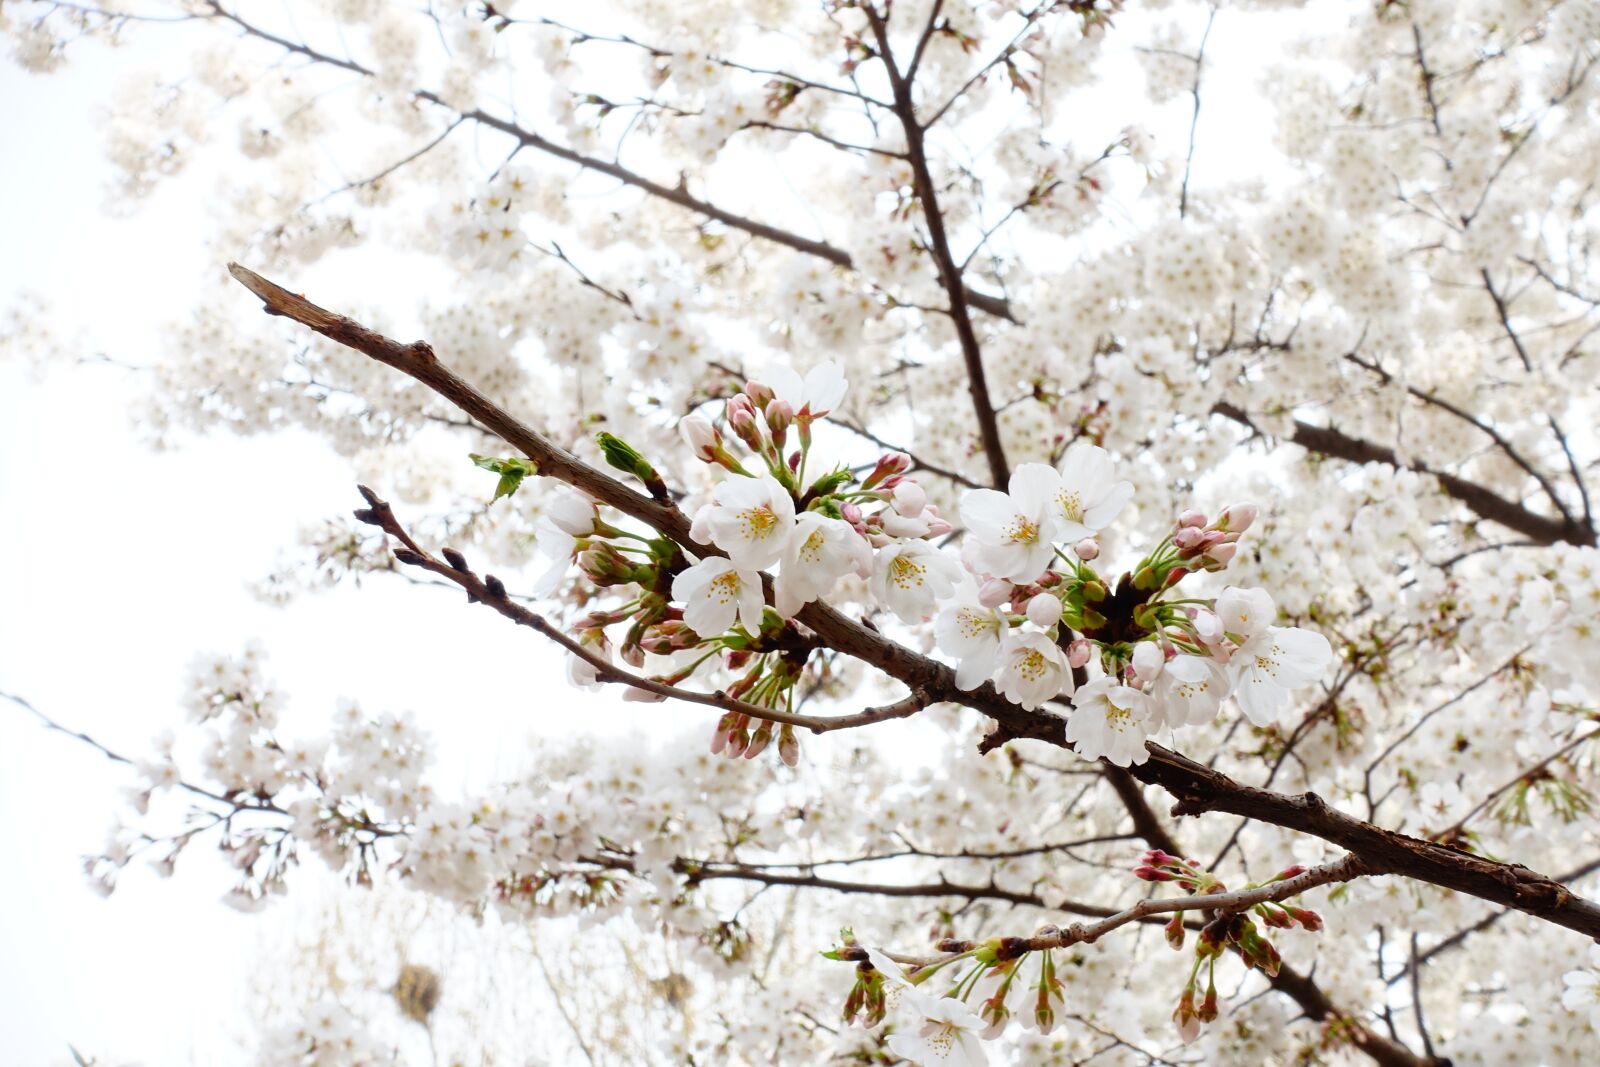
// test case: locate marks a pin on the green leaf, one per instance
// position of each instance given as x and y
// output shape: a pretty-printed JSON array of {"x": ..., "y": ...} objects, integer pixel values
[{"x": 511, "y": 470}]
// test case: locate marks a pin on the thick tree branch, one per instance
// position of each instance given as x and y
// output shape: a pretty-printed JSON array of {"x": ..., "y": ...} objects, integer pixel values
[{"x": 1482, "y": 501}]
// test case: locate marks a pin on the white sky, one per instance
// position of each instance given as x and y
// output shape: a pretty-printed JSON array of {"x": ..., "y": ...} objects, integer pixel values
[{"x": 120, "y": 563}]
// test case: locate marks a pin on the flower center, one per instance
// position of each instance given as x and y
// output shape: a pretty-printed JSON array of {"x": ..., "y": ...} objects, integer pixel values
[
  {"x": 758, "y": 522},
  {"x": 1070, "y": 501},
  {"x": 725, "y": 586},
  {"x": 906, "y": 572},
  {"x": 1022, "y": 532},
  {"x": 1031, "y": 666},
  {"x": 811, "y": 551},
  {"x": 972, "y": 623}
]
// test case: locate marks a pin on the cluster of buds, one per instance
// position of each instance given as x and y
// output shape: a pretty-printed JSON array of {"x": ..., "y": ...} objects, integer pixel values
[
  {"x": 1226, "y": 930},
  {"x": 1195, "y": 545}
]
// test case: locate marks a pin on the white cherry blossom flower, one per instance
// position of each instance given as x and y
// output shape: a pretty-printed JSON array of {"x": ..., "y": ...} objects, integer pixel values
[
  {"x": 1111, "y": 720},
  {"x": 1032, "y": 669},
  {"x": 750, "y": 519},
  {"x": 1269, "y": 665},
  {"x": 949, "y": 1033},
  {"x": 714, "y": 592},
  {"x": 910, "y": 577},
  {"x": 820, "y": 551},
  {"x": 1188, "y": 690},
  {"x": 1582, "y": 993},
  {"x": 820, "y": 392},
  {"x": 1245, "y": 612},
  {"x": 1011, "y": 531},
  {"x": 970, "y": 633},
  {"x": 1087, "y": 497}
]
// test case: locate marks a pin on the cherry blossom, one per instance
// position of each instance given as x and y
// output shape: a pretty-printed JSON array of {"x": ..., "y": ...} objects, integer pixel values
[
  {"x": 1032, "y": 669},
  {"x": 819, "y": 552},
  {"x": 819, "y": 393},
  {"x": 910, "y": 577},
  {"x": 751, "y": 519},
  {"x": 1272, "y": 663},
  {"x": 1011, "y": 531},
  {"x": 1188, "y": 690},
  {"x": 714, "y": 592},
  {"x": 948, "y": 1034},
  {"x": 971, "y": 634},
  {"x": 1110, "y": 720},
  {"x": 1087, "y": 496}
]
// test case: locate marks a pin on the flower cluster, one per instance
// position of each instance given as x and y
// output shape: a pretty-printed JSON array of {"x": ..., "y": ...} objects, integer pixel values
[
  {"x": 1036, "y": 616},
  {"x": 684, "y": 613},
  {"x": 1021, "y": 606}
]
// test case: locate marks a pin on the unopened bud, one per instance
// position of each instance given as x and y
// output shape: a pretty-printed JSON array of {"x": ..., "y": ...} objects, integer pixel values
[
  {"x": 890, "y": 464},
  {"x": 741, "y": 415},
  {"x": 1191, "y": 518},
  {"x": 1044, "y": 610},
  {"x": 1087, "y": 549},
  {"x": 780, "y": 416},
  {"x": 760, "y": 395},
  {"x": 1187, "y": 538},
  {"x": 627, "y": 459},
  {"x": 994, "y": 592},
  {"x": 1078, "y": 653},
  {"x": 1237, "y": 518},
  {"x": 701, "y": 437},
  {"x": 1222, "y": 554},
  {"x": 788, "y": 746},
  {"x": 604, "y": 565},
  {"x": 1175, "y": 931},
  {"x": 759, "y": 743}
]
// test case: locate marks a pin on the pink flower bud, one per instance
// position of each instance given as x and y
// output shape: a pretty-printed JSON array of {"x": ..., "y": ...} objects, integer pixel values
[
  {"x": 742, "y": 418},
  {"x": 641, "y": 696},
  {"x": 851, "y": 513},
  {"x": 701, "y": 437},
  {"x": 1044, "y": 611},
  {"x": 760, "y": 395},
  {"x": 1236, "y": 518},
  {"x": 1087, "y": 549},
  {"x": 1192, "y": 518},
  {"x": 890, "y": 464},
  {"x": 759, "y": 743},
  {"x": 779, "y": 417},
  {"x": 994, "y": 592},
  {"x": 1187, "y": 538},
  {"x": 937, "y": 527},
  {"x": 788, "y": 746},
  {"x": 1223, "y": 553},
  {"x": 1078, "y": 654}
]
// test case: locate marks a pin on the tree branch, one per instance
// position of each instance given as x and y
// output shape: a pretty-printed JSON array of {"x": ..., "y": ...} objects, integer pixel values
[
  {"x": 1482, "y": 501},
  {"x": 939, "y": 244}
]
